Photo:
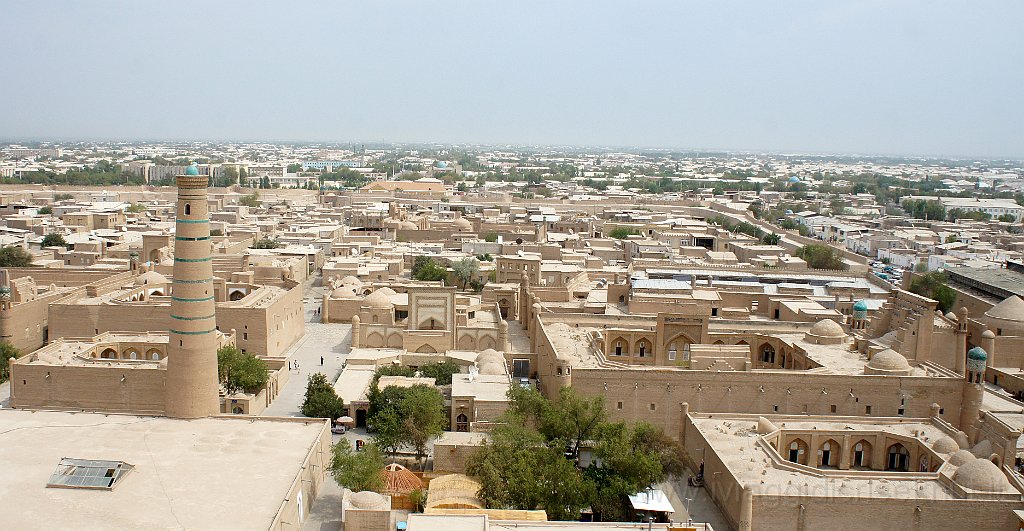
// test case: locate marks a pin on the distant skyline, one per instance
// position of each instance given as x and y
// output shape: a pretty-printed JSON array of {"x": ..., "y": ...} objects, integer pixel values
[{"x": 913, "y": 78}]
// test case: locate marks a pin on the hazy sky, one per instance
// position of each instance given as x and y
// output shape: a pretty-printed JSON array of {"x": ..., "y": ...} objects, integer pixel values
[{"x": 890, "y": 77}]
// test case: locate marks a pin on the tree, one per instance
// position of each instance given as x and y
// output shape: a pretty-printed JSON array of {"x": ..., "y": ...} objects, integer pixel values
[
  {"x": 8, "y": 352},
  {"x": 465, "y": 270},
  {"x": 252, "y": 200},
  {"x": 14, "y": 256},
  {"x": 216, "y": 232},
  {"x": 294, "y": 168},
  {"x": 426, "y": 269},
  {"x": 62, "y": 197},
  {"x": 240, "y": 371},
  {"x": 933, "y": 285},
  {"x": 407, "y": 415},
  {"x": 441, "y": 372},
  {"x": 46, "y": 210},
  {"x": 621, "y": 233},
  {"x": 53, "y": 239},
  {"x": 136, "y": 208},
  {"x": 771, "y": 239},
  {"x": 491, "y": 237},
  {"x": 1006, "y": 218},
  {"x": 524, "y": 465},
  {"x": 821, "y": 256},
  {"x": 357, "y": 471},
  {"x": 266, "y": 243},
  {"x": 231, "y": 175},
  {"x": 321, "y": 400}
]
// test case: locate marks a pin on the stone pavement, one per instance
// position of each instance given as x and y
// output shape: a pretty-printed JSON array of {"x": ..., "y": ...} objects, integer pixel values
[
  {"x": 332, "y": 341},
  {"x": 702, "y": 507}
]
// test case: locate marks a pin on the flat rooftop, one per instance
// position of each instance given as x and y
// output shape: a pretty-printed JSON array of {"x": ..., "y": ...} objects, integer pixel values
[
  {"x": 734, "y": 440},
  {"x": 998, "y": 283},
  {"x": 188, "y": 474}
]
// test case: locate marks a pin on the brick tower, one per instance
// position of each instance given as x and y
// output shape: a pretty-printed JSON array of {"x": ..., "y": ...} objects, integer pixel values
[{"x": 192, "y": 387}]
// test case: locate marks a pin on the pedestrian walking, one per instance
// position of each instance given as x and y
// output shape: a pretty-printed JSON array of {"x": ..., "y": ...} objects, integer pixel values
[{"x": 321, "y": 361}]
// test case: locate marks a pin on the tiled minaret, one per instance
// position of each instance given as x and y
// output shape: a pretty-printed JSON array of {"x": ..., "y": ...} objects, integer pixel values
[{"x": 192, "y": 387}]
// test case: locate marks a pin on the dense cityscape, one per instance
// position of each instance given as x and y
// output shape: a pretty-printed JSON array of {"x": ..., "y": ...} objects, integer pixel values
[{"x": 521, "y": 266}]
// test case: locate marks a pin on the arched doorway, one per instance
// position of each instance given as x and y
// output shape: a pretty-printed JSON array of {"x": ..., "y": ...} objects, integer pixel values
[
  {"x": 830, "y": 454},
  {"x": 768, "y": 353},
  {"x": 503, "y": 307},
  {"x": 898, "y": 458},
  {"x": 643, "y": 348},
  {"x": 462, "y": 422},
  {"x": 236, "y": 295},
  {"x": 797, "y": 452},
  {"x": 109, "y": 354},
  {"x": 861, "y": 455}
]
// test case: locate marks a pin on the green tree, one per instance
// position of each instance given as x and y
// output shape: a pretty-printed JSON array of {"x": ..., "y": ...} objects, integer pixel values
[
  {"x": 771, "y": 239},
  {"x": 53, "y": 239},
  {"x": 294, "y": 168},
  {"x": 8, "y": 352},
  {"x": 252, "y": 200},
  {"x": 821, "y": 256},
  {"x": 491, "y": 237},
  {"x": 136, "y": 208},
  {"x": 933, "y": 285},
  {"x": 216, "y": 232},
  {"x": 231, "y": 175},
  {"x": 14, "y": 256},
  {"x": 266, "y": 243},
  {"x": 1006, "y": 218},
  {"x": 357, "y": 471},
  {"x": 426, "y": 269},
  {"x": 321, "y": 400},
  {"x": 621, "y": 233},
  {"x": 407, "y": 415},
  {"x": 465, "y": 270},
  {"x": 62, "y": 197},
  {"x": 441, "y": 371},
  {"x": 240, "y": 371},
  {"x": 46, "y": 210}
]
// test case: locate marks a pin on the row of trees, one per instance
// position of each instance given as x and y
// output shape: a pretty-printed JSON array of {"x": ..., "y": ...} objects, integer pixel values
[{"x": 533, "y": 458}]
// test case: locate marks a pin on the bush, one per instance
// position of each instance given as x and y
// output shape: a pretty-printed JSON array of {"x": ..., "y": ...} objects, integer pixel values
[
  {"x": 321, "y": 400},
  {"x": 46, "y": 210},
  {"x": 252, "y": 200},
  {"x": 491, "y": 237},
  {"x": 62, "y": 197},
  {"x": 136, "y": 208}
]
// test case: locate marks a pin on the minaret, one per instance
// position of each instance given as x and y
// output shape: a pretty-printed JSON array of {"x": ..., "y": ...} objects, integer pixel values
[{"x": 192, "y": 386}]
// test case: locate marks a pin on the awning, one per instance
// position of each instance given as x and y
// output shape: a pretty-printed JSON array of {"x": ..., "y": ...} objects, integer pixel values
[{"x": 653, "y": 500}]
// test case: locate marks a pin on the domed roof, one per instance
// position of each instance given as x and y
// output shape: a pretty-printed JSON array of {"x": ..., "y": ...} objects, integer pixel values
[
  {"x": 351, "y": 280},
  {"x": 368, "y": 500},
  {"x": 399, "y": 480},
  {"x": 378, "y": 299},
  {"x": 1011, "y": 309},
  {"x": 982, "y": 475},
  {"x": 407, "y": 225},
  {"x": 765, "y": 426},
  {"x": 150, "y": 277},
  {"x": 343, "y": 292},
  {"x": 463, "y": 224},
  {"x": 945, "y": 445},
  {"x": 387, "y": 291},
  {"x": 192, "y": 170},
  {"x": 951, "y": 316},
  {"x": 888, "y": 360},
  {"x": 489, "y": 356},
  {"x": 982, "y": 449},
  {"x": 987, "y": 334},
  {"x": 827, "y": 328},
  {"x": 960, "y": 457},
  {"x": 442, "y": 164},
  {"x": 977, "y": 353},
  {"x": 492, "y": 367},
  {"x": 860, "y": 306}
]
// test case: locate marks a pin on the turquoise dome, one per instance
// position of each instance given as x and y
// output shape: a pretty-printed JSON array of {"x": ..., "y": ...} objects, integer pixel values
[
  {"x": 192, "y": 170},
  {"x": 860, "y": 306},
  {"x": 977, "y": 353}
]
